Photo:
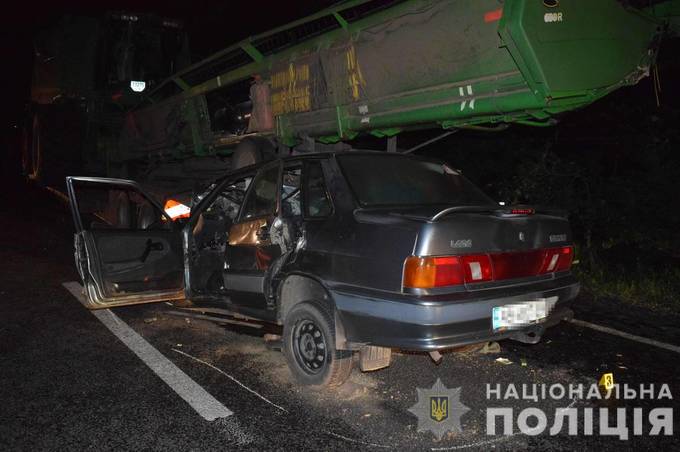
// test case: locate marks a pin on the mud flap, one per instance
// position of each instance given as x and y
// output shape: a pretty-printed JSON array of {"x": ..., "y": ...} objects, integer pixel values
[{"x": 374, "y": 358}]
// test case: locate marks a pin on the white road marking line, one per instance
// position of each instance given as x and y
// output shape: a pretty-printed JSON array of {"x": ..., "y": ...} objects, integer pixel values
[
  {"x": 356, "y": 441},
  {"x": 231, "y": 378},
  {"x": 194, "y": 394},
  {"x": 632, "y": 337},
  {"x": 114, "y": 317},
  {"x": 485, "y": 442}
]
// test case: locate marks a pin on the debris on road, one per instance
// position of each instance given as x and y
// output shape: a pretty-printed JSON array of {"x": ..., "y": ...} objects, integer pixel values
[
  {"x": 436, "y": 356},
  {"x": 490, "y": 348},
  {"x": 150, "y": 320},
  {"x": 273, "y": 342},
  {"x": 523, "y": 362},
  {"x": 213, "y": 318},
  {"x": 504, "y": 361}
]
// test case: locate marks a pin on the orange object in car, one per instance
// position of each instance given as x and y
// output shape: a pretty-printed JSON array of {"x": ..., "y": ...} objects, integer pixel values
[{"x": 176, "y": 209}]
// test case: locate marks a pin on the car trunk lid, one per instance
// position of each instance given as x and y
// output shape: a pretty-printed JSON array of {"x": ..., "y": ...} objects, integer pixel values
[
  {"x": 445, "y": 230},
  {"x": 478, "y": 232}
]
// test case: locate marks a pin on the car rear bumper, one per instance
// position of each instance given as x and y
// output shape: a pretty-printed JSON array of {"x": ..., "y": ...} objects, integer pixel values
[{"x": 439, "y": 322}]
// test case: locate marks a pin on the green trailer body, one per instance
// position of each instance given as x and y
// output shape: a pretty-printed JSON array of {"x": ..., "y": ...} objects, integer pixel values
[
  {"x": 383, "y": 67},
  {"x": 378, "y": 67}
]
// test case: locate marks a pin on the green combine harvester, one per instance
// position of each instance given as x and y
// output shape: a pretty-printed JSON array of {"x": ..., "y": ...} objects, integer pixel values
[{"x": 382, "y": 67}]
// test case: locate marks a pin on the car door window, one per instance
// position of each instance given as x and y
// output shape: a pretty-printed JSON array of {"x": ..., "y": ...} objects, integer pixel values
[
  {"x": 291, "y": 203},
  {"x": 261, "y": 198},
  {"x": 229, "y": 200},
  {"x": 109, "y": 206},
  {"x": 317, "y": 203}
]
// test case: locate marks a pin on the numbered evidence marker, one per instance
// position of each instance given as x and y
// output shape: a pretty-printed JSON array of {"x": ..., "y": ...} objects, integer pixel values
[{"x": 606, "y": 382}]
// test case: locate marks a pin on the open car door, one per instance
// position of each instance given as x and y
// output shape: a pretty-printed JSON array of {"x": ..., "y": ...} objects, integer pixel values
[
  {"x": 250, "y": 250},
  {"x": 127, "y": 249}
]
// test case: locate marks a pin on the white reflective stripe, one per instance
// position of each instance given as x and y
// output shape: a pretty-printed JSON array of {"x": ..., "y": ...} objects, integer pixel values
[
  {"x": 178, "y": 210},
  {"x": 198, "y": 398},
  {"x": 632, "y": 337}
]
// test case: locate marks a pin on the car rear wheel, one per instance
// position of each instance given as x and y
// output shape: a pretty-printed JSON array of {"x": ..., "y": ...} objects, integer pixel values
[{"x": 309, "y": 347}]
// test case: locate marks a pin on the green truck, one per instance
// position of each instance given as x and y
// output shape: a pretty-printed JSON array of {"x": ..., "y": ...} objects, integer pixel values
[{"x": 378, "y": 67}]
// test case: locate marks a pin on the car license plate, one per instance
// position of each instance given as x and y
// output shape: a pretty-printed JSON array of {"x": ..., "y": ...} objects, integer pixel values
[{"x": 521, "y": 314}]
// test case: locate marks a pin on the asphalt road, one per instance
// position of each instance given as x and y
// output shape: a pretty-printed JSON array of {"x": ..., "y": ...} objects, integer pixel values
[{"x": 66, "y": 382}]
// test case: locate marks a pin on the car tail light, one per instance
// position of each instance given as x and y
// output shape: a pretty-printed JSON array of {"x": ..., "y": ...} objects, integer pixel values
[
  {"x": 477, "y": 268},
  {"x": 441, "y": 271},
  {"x": 518, "y": 264},
  {"x": 429, "y": 272},
  {"x": 557, "y": 259}
]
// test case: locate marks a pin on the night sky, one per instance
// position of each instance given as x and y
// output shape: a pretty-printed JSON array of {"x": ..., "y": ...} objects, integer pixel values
[{"x": 211, "y": 26}]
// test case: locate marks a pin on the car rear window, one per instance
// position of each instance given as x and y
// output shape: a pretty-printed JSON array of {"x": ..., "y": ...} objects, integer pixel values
[{"x": 398, "y": 180}]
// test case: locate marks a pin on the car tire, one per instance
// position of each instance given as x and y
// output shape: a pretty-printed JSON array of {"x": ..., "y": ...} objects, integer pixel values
[{"x": 309, "y": 347}]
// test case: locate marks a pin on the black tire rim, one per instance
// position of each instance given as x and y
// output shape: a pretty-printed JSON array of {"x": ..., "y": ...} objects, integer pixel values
[{"x": 309, "y": 346}]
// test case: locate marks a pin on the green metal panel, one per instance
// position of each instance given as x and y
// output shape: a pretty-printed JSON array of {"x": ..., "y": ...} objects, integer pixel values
[
  {"x": 447, "y": 63},
  {"x": 579, "y": 46}
]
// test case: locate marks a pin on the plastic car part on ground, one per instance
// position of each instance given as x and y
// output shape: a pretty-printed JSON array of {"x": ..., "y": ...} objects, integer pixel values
[{"x": 490, "y": 348}]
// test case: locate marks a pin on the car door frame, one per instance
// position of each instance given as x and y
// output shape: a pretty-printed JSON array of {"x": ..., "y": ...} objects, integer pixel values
[
  {"x": 251, "y": 281},
  {"x": 88, "y": 259},
  {"x": 210, "y": 195}
]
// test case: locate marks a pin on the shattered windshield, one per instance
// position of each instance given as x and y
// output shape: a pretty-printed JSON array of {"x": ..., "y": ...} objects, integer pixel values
[{"x": 399, "y": 180}]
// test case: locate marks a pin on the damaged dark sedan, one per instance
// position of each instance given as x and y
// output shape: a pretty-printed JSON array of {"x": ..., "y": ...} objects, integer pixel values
[{"x": 352, "y": 253}]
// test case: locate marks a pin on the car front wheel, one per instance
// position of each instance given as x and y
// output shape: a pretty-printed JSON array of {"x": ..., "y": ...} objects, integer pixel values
[{"x": 309, "y": 347}]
